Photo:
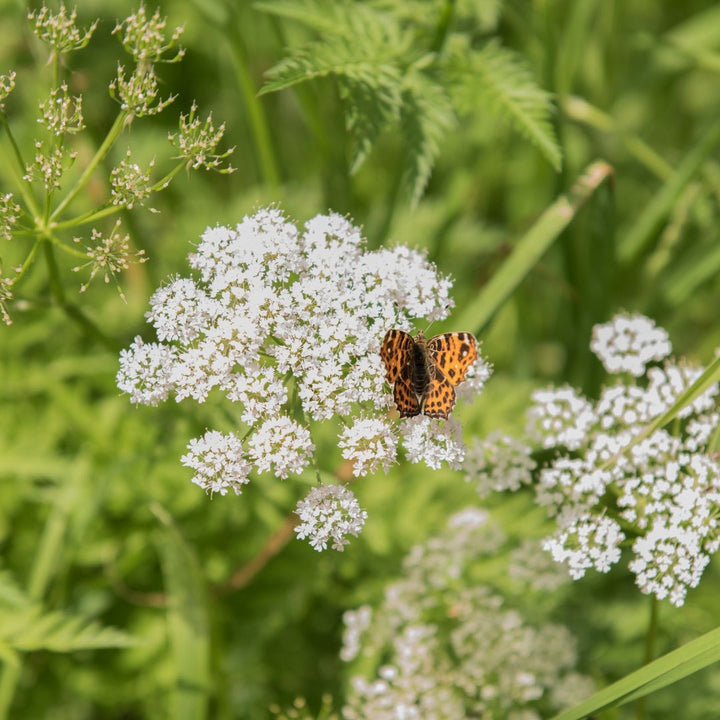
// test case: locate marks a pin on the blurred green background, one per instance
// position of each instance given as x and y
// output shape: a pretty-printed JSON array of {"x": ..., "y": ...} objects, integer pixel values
[{"x": 98, "y": 520}]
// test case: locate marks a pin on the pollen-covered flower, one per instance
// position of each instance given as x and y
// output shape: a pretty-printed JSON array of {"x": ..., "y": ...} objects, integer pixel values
[
  {"x": 628, "y": 343},
  {"x": 197, "y": 142},
  {"x": 218, "y": 461},
  {"x": 370, "y": 443},
  {"x": 9, "y": 214},
  {"x": 129, "y": 183},
  {"x": 328, "y": 515},
  {"x": 59, "y": 30},
  {"x": 109, "y": 255},
  {"x": 62, "y": 113}
]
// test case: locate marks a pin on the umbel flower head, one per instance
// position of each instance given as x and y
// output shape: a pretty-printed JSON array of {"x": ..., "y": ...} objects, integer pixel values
[
  {"x": 286, "y": 325},
  {"x": 441, "y": 646},
  {"x": 661, "y": 498}
]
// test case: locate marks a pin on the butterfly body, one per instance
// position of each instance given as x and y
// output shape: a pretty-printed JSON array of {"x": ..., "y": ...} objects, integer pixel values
[
  {"x": 424, "y": 373},
  {"x": 421, "y": 365}
]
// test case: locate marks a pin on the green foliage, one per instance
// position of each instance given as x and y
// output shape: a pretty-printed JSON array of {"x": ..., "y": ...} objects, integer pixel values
[{"x": 391, "y": 72}]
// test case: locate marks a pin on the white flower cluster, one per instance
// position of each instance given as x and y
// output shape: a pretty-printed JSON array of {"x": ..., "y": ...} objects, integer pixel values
[
  {"x": 666, "y": 489},
  {"x": 445, "y": 648},
  {"x": 628, "y": 343},
  {"x": 329, "y": 513},
  {"x": 287, "y": 326},
  {"x": 499, "y": 462}
]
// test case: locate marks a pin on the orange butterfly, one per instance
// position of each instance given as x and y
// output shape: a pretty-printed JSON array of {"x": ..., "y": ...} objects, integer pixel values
[{"x": 425, "y": 372}]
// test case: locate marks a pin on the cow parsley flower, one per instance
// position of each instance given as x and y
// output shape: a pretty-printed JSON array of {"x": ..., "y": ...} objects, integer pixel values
[
  {"x": 282, "y": 445},
  {"x": 328, "y": 515},
  {"x": 369, "y": 443},
  {"x": 499, "y": 462},
  {"x": 628, "y": 343},
  {"x": 438, "y": 645},
  {"x": 218, "y": 461},
  {"x": 433, "y": 441},
  {"x": 662, "y": 497},
  {"x": 285, "y": 325}
]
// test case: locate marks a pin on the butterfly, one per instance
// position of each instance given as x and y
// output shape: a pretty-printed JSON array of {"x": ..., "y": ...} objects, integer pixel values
[{"x": 424, "y": 372}]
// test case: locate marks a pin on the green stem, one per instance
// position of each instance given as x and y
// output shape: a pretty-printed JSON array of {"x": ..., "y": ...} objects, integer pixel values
[
  {"x": 443, "y": 26},
  {"x": 103, "y": 150},
  {"x": 72, "y": 311},
  {"x": 580, "y": 111},
  {"x": 88, "y": 217},
  {"x": 258, "y": 120},
  {"x": 27, "y": 262},
  {"x": 15, "y": 165},
  {"x": 650, "y": 639}
]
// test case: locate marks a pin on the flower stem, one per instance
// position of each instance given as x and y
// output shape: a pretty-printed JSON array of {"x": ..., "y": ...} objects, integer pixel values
[
  {"x": 15, "y": 165},
  {"x": 258, "y": 119},
  {"x": 650, "y": 638},
  {"x": 72, "y": 311},
  {"x": 443, "y": 25},
  {"x": 103, "y": 150}
]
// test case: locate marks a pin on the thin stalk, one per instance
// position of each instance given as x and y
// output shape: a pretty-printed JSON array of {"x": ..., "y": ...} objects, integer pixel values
[
  {"x": 443, "y": 26},
  {"x": 102, "y": 151},
  {"x": 581, "y": 111},
  {"x": 72, "y": 311},
  {"x": 256, "y": 112},
  {"x": 531, "y": 247},
  {"x": 92, "y": 215},
  {"x": 15, "y": 165},
  {"x": 650, "y": 639}
]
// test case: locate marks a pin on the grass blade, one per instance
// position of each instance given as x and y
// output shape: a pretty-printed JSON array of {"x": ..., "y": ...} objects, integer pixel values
[
  {"x": 532, "y": 246},
  {"x": 691, "y": 657}
]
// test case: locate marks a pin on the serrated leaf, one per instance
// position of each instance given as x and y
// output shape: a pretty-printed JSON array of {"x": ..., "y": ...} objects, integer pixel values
[
  {"x": 426, "y": 117},
  {"x": 496, "y": 80},
  {"x": 30, "y": 630}
]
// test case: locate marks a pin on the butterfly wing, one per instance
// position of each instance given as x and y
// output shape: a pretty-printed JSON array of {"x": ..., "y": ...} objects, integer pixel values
[
  {"x": 439, "y": 398},
  {"x": 453, "y": 353},
  {"x": 406, "y": 401},
  {"x": 396, "y": 353}
]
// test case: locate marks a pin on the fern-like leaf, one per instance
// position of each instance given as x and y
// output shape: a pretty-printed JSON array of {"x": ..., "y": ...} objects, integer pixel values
[
  {"x": 427, "y": 116},
  {"x": 26, "y": 627},
  {"x": 495, "y": 79}
]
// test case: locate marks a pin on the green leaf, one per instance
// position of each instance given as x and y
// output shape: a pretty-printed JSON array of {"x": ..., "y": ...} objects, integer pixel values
[
  {"x": 26, "y": 627},
  {"x": 531, "y": 248},
  {"x": 187, "y": 623},
  {"x": 664, "y": 671},
  {"x": 496, "y": 80},
  {"x": 426, "y": 118}
]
